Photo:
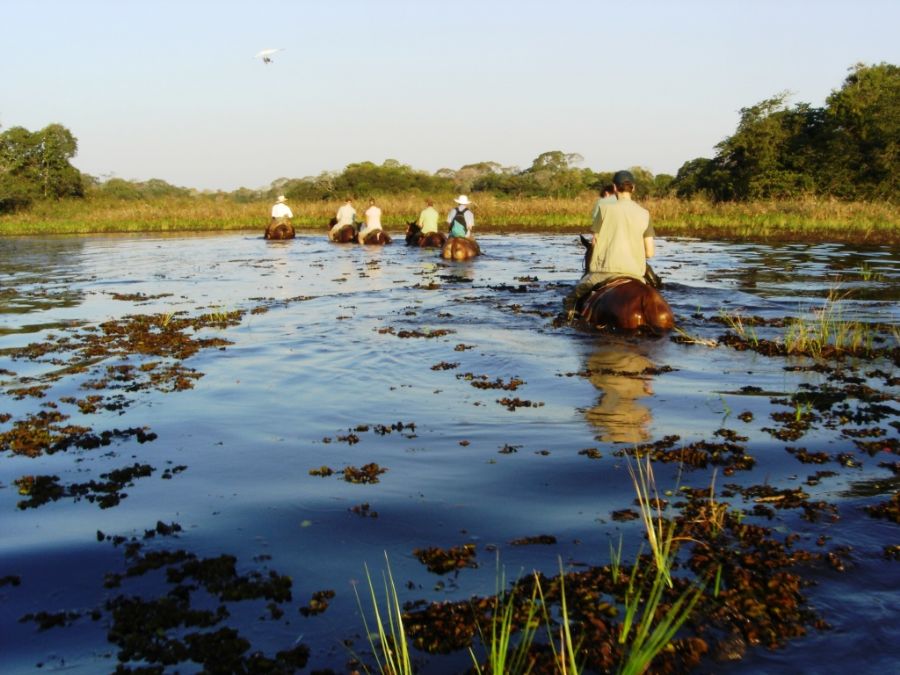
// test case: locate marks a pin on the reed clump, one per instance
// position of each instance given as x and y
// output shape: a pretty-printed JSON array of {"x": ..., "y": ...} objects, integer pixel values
[{"x": 806, "y": 219}]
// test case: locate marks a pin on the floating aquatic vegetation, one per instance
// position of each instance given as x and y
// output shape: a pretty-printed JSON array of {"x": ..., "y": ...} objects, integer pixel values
[{"x": 441, "y": 560}]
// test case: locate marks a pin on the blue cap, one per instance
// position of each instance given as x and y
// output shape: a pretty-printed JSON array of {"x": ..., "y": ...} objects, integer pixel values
[{"x": 622, "y": 177}]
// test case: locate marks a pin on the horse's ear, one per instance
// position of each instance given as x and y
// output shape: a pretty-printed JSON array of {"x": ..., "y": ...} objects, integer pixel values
[{"x": 585, "y": 241}]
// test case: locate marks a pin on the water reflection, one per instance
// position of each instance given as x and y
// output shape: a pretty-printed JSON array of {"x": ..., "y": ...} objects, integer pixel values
[
  {"x": 38, "y": 274},
  {"x": 620, "y": 371}
]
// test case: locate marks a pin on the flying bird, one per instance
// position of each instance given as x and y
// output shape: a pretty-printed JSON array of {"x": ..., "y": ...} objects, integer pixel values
[{"x": 266, "y": 54}]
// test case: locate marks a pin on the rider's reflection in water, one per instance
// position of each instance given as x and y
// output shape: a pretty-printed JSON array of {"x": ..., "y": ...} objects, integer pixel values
[{"x": 618, "y": 371}]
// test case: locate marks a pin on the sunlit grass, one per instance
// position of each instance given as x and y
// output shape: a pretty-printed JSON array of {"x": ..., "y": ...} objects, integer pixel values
[
  {"x": 504, "y": 653},
  {"x": 736, "y": 323},
  {"x": 826, "y": 327},
  {"x": 806, "y": 219},
  {"x": 649, "y": 633},
  {"x": 388, "y": 641}
]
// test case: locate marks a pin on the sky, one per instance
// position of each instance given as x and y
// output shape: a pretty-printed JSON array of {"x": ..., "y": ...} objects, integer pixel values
[{"x": 170, "y": 89}]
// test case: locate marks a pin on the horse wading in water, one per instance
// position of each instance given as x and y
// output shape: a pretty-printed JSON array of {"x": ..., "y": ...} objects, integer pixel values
[
  {"x": 377, "y": 238},
  {"x": 280, "y": 231},
  {"x": 345, "y": 235},
  {"x": 624, "y": 303},
  {"x": 414, "y": 237},
  {"x": 460, "y": 248},
  {"x": 279, "y": 226}
]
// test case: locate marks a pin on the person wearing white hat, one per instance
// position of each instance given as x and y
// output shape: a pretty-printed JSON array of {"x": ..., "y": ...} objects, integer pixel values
[
  {"x": 461, "y": 219},
  {"x": 280, "y": 210},
  {"x": 280, "y": 223}
]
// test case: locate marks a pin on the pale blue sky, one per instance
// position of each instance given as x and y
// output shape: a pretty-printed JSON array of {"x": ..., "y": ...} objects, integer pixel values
[{"x": 170, "y": 89}]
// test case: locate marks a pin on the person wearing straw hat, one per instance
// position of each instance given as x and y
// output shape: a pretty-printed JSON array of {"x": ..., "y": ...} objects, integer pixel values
[
  {"x": 280, "y": 223},
  {"x": 461, "y": 219},
  {"x": 281, "y": 212}
]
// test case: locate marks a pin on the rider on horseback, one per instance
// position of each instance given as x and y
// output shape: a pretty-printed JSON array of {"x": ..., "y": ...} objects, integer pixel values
[{"x": 622, "y": 241}]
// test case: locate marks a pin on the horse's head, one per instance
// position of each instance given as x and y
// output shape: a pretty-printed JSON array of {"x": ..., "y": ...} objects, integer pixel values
[
  {"x": 412, "y": 234},
  {"x": 332, "y": 222},
  {"x": 588, "y": 244}
]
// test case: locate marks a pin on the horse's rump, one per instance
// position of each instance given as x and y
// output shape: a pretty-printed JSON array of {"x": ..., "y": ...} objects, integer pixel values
[
  {"x": 345, "y": 234},
  {"x": 414, "y": 237},
  {"x": 460, "y": 248},
  {"x": 624, "y": 303},
  {"x": 378, "y": 237},
  {"x": 280, "y": 231}
]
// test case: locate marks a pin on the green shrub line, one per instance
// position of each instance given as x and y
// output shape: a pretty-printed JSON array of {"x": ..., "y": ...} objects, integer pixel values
[{"x": 811, "y": 220}]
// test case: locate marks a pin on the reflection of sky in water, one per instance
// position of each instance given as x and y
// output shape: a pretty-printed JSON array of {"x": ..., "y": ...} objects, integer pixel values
[{"x": 311, "y": 369}]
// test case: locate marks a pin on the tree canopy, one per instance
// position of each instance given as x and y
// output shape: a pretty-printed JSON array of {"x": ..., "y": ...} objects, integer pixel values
[
  {"x": 848, "y": 149},
  {"x": 35, "y": 165}
]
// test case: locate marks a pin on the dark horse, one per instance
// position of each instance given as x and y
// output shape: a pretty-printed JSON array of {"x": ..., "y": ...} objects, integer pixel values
[
  {"x": 460, "y": 248},
  {"x": 378, "y": 237},
  {"x": 624, "y": 303},
  {"x": 276, "y": 231},
  {"x": 345, "y": 235},
  {"x": 414, "y": 237}
]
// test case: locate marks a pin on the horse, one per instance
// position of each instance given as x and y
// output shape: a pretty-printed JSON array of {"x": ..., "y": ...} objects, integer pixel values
[
  {"x": 345, "y": 235},
  {"x": 624, "y": 303},
  {"x": 414, "y": 237},
  {"x": 278, "y": 231},
  {"x": 378, "y": 237},
  {"x": 460, "y": 248}
]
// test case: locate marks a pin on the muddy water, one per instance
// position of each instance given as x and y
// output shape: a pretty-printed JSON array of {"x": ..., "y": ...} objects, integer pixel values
[{"x": 345, "y": 356}]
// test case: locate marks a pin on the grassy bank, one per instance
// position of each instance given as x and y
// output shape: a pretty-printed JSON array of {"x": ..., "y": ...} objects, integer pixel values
[{"x": 802, "y": 219}]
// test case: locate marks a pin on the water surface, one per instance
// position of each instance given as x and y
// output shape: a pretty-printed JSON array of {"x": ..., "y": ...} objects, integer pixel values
[{"x": 326, "y": 360}]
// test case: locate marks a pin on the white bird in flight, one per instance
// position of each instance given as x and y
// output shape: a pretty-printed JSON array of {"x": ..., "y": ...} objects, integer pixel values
[{"x": 266, "y": 54}]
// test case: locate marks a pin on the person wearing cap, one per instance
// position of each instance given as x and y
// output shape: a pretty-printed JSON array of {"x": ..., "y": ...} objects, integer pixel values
[
  {"x": 607, "y": 196},
  {"x": 623, "y": 240},
  {"x": 346, "y": 215},
  {"x": 428, "y": 218},
  {"x": 373, "y": 221},
  {"x": 461, "y": 219}
]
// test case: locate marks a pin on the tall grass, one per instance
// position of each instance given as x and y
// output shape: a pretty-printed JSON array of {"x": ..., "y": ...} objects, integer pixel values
[
  {"x": 826, "y": 327},
  {"x": 504, "y": 655},
  {"x": 806, "y": 219},
  {"x": 652, "y": 633},
  {"x": 388, "y": 641}
]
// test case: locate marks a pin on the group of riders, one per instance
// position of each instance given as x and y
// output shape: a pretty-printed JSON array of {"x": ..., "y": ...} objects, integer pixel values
[
  {"x": 621, "y": 241},
  {"x": 460, "y": 219}
]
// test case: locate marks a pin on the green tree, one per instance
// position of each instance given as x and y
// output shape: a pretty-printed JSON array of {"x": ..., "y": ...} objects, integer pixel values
[
  {"x": 756, "y": 161},
  {"x": 35, "y": 165},
  {"x": 864, "y": 124}
]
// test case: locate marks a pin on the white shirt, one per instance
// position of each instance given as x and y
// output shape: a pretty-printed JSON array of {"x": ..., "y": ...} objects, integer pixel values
[
  {"x": 373, "y": 218},
  {"x": 345, "y": 215},
  {"x": 281, "y": 210}
]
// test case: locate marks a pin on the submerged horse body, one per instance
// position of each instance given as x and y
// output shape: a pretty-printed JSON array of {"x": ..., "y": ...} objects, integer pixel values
[
  {"x": 376, "y": 238},
  {"x": 344, "y": 235},
  {"x": 460, "y": 248},
  {"x": 279, "y": 231},
  {"x": 414, "y": 237},
  {"x": 624, "y": 303}
]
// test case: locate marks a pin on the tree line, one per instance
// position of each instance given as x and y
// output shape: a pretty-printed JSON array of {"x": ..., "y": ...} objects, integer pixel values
[{"x": 846, "y": 149}]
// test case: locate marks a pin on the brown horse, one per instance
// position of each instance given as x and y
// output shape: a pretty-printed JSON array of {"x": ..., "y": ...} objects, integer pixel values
[
  {"x": 624, "y": 303},
  {"x": 377, "y": 238},
  {"x": 460, "y": 248},
  {"x": 278, "y": 231},
  {"x": 345, "y": 235},
  {"x": 414, "y": 237}
]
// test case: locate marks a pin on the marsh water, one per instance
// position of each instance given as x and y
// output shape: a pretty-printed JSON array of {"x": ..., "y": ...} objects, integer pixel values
[{"x": 494, "y": 425}]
